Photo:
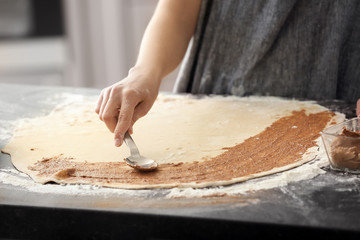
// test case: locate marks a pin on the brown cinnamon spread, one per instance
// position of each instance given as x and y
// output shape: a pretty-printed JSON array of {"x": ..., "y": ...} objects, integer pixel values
[
  {"x": 278, "y": 145},
  {"x": 345, "y": 150},
  {"x": 348, "y": 133}
]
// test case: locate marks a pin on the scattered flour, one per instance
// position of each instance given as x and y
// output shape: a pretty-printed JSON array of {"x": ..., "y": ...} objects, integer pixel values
[
  {"x": 306, "y": 171},
  {"x": 10, "y": 178},
  {"x": 14, "y": 178},
  {"x": 6, "y": 130}
]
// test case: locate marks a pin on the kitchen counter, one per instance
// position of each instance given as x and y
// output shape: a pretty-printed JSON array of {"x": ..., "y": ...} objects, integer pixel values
[{"x": 327, "y": 205}]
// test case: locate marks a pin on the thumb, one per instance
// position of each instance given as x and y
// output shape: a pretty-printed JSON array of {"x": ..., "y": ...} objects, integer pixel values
[
  {"x": 123, "y": 123},
  {"x": 140, "y": 110}
]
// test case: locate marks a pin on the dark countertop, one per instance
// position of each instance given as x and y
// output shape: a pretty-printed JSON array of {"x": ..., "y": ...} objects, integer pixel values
[{"x": 327, "y": 205}]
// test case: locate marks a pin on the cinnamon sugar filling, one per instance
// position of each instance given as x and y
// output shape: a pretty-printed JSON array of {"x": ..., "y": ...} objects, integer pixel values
[{"x": 281, "y": 144}]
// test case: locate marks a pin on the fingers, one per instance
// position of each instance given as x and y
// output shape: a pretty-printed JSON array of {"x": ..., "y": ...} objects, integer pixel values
[
  {"x": 98, "y": 103},
  {"x": 106, "y": 107},
  {"x": 116, "y": 107},
  {"x": 102, "y": 101},
  {"x": 105, "y": 99},
  {"x": 110, "y": 113},
  {"x": 358, "y": 108},
  {"x": 122, "y": 104}
]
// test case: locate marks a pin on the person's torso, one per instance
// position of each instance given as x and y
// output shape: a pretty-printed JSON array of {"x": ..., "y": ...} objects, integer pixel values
[{"x": 293, "y": 48}]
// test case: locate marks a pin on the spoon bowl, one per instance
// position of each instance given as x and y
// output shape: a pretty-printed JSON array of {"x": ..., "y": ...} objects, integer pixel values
[
  {"x": 141, "y": 163},
  {"x": 135, "y": 160}
]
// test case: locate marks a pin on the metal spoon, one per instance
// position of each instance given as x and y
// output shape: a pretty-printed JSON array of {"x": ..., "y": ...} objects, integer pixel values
[{"x": 136, "y": 160}]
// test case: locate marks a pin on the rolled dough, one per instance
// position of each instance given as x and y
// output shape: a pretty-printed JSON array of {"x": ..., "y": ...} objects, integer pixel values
[{"x": 178, "y": 130}]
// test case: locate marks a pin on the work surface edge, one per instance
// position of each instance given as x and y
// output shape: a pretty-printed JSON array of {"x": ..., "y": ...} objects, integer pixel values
[{"x": 330, "y": 205}]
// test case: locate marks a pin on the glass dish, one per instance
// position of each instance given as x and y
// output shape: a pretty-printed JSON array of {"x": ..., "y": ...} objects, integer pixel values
[{"x": 342, "y": 145}]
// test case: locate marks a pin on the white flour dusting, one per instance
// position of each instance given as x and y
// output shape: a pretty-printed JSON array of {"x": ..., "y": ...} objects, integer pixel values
[
  {"x": 13, "y": 178},
  {"x": 6, "y": 130},
  {"x": 10, "y": 178},
  {"x": 306, "y": 171}
]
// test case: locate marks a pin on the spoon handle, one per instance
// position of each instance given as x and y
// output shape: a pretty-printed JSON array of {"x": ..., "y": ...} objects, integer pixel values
[{"x": 134, "y": 151}]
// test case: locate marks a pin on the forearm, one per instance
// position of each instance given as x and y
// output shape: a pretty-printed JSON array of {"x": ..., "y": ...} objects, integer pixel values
[
  {"x": 163, "y": 46},
  {"x": 167, "y": 36}
]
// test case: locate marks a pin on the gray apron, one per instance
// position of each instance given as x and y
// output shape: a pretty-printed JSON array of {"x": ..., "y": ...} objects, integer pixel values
[{"x": 289, "y": 48}]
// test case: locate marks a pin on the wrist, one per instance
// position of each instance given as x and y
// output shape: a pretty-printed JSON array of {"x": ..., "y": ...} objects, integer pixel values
[{"x": 153, "y": 74}]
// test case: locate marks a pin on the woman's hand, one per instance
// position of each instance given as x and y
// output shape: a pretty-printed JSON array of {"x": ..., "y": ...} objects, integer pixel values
[
  {"x": 123, "y": 103},
  {"x": 162, "y": 48}
]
